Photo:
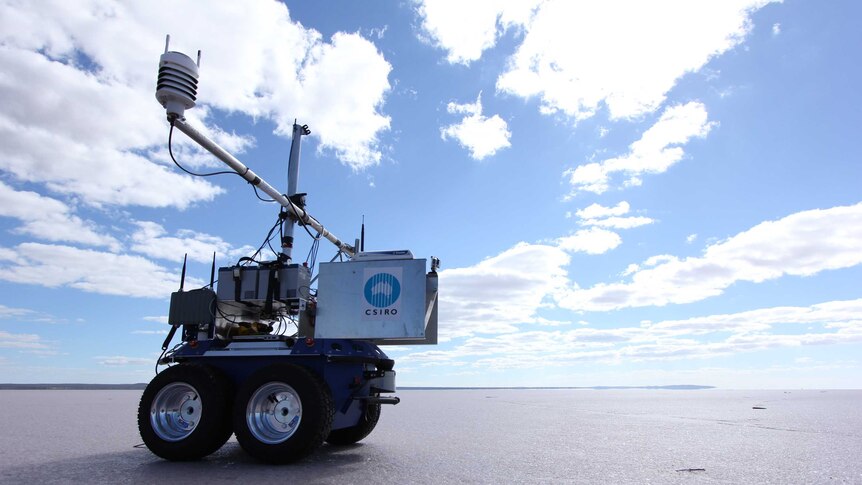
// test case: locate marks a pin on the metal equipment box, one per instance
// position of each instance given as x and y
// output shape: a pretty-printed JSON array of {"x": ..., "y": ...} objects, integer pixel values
[
  {"x": 251, "y": 283},
  {"x": 194, "y": 307},
  {"x": 372, "y": 299}
]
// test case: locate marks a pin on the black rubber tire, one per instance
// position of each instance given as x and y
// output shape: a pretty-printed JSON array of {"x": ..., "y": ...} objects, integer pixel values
[
  {"x": 213, "y": 428},
  {"x": 355, "y": 434},
  {"x": 313, "y": 427}
]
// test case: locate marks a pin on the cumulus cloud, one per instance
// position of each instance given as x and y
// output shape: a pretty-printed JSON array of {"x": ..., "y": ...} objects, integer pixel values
[
  {"x": 49, "y": 219},
  {"x": 78, "y": 135},
  {"x": 619, "y": 222},
  {"x": 800, "y": 244},
  {"x": 500, "y": 292},
  {"x": 591, "y": 241},
  {"x": 152, "y": 240},
  {"x": 86, "y": 122},
  {"x": 481, "y": 135},
  {"x": 833, "y": 314},
  {"x": 656, "y": 151},
  {"x": 345, "y": 115},
  {"x": 598, "y": 211},
  {"x": 563, "y": 57},
  {"x": 466, "y": 29},
  {"x": 830, "y": 323},
  {"x": 598, "y": 219},
  {"x": 611, "y": 217},
  {"x": 53, "y": 265},
  {"x": 577, "y": 56}
]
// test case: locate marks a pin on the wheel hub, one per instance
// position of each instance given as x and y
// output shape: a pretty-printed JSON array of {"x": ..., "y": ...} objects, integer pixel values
[
  {"x": 176, "y": 411},
  {"x": 274, "y": 412}
]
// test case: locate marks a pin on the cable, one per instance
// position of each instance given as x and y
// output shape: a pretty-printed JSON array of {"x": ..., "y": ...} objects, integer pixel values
[
  {"x": 311, "y": 259},
  {"x": 167, "y": 352},
  {"x": 258, "y": 194},
  {"x": 265, "y": 242},
  {"x": 159, "y": 360},
  {"x": 171, "y": 152},
  {"x": 223, "y": 172},
  {"x": 269, "y": 243},
  {"x": 226, "y": 317}
]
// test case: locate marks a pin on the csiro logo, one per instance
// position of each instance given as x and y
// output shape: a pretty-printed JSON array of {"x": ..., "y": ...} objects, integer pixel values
[{"x": 382, "y": 290}]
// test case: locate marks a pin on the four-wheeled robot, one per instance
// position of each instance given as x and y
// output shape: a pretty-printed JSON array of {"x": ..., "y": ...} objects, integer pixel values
[{"x": 282, "y": 359}]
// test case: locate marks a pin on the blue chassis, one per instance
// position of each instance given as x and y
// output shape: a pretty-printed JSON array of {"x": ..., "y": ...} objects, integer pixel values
[{"x": 348, "y": 367}]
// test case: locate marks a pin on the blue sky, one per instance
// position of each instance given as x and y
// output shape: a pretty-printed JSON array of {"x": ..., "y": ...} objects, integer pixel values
[{"x": 622, "y": 193}]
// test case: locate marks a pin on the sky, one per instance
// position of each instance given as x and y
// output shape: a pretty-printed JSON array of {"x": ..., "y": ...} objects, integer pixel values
[{"x": 621, "y": 193}]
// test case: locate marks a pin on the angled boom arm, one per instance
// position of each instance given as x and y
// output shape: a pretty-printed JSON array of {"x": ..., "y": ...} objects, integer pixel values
[{"x": 253, "y": 178}]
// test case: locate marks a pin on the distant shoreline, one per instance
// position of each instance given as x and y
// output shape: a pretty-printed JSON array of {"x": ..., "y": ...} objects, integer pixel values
[{"x": 141, "y": 386}]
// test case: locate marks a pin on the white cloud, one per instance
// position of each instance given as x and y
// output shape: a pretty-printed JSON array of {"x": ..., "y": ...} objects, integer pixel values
[
  {"x": 690, "y": 238},
  {"x": 835, "y": 322},
  {"x": 776, "y": 29},
  {"x": 481, "y": 135},
  {"x": 88, "y": 270},
  {"x": 123, "y": 360},
  {"x": 500, "y": 292},
  {"x": 590, "y": 241},
  {"x": 619, "y": 222},
  {"x": 9, "y": 312},
  {"x": 152, "y": 240},
  {"x": 344, "y": 114},
  {"x": 597, "y": 211},
  {"x": 800, "y": 244},
  {"x": 466, "y": 29},
  {"x": 830, "y": 315},
  {"x": 21, "y": 341},
  {"x": 77, "y": 134},
  {"x": 627, "y": 55},
  {"x": 86, "y": 122},
  {"x": 656, "y": 151},
  {"x": 158, "y": 319},
  {"x": 49, "y": 219},
  {"x": 596, "y": 215}
]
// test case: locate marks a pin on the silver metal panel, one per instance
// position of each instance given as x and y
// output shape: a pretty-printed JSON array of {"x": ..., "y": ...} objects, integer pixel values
[
  {"x": 431, "y": 299},
  {"x": 371, "y": 300}
]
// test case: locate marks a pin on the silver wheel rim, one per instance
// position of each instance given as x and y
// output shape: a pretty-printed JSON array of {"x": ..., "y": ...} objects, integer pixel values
[
  {"x": 273, "y": 413},
  {"x": 176, "y": 411}
]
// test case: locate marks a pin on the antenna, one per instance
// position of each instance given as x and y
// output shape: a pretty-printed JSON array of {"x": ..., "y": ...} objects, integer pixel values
[
  {"x": 183, "y": 276},
  {"x": 212, "y": 273},
  {"x": 362, "y": 235}
]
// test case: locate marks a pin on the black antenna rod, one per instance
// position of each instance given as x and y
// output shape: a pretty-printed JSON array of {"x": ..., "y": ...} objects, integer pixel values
[
  {"x": 183, "y": 277},
  {"x": 212, "y": 274},
  {"x": 362, "y": 235}
]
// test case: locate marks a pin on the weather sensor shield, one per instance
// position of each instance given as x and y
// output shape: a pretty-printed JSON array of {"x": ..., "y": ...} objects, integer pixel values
[{"x": 177, "y": 85}]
